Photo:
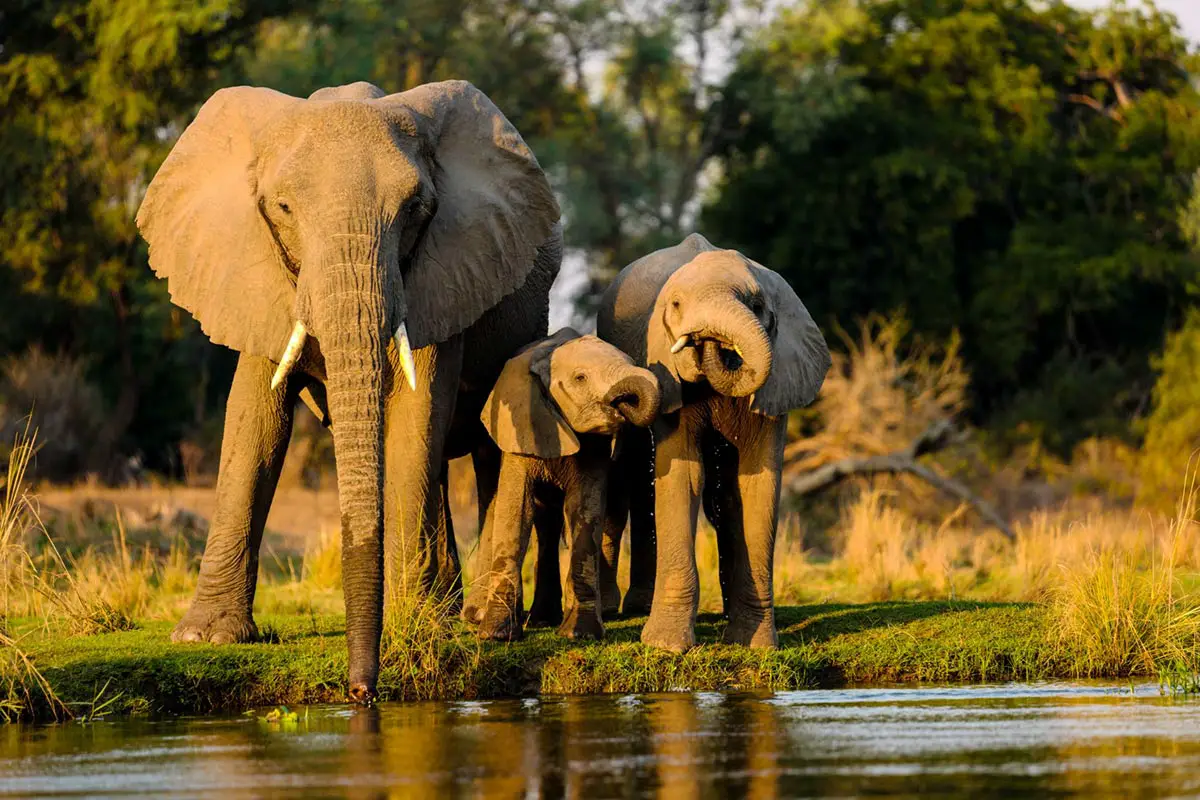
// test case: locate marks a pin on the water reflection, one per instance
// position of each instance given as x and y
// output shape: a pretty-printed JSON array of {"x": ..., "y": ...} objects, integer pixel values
[{"x": 989, "y": 741}]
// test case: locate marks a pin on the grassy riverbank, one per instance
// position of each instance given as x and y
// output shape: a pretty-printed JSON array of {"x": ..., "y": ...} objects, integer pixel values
[{"x": 304, "y": 659}]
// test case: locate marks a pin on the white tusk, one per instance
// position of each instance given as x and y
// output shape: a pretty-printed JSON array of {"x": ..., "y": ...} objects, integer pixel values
[
  {"x": 680, "y": 343},
  {"x": 406, "y": 356},
  {"x": 291, "y": 354}
]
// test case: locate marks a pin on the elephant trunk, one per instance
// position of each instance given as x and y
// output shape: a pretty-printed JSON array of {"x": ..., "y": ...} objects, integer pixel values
[
  {"x": 735, "y": 350},
  {"x": 353, "y": 330},
  {"x": 635, "y": 397}
]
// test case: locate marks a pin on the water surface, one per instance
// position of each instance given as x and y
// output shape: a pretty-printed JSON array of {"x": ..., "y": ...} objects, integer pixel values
[{"x": 1001, "y": 741}]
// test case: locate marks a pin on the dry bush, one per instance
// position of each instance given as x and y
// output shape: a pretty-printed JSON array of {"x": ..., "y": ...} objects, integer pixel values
[
  {"x": 880, "y": 395},
  {"x": 51, "y": 394}
]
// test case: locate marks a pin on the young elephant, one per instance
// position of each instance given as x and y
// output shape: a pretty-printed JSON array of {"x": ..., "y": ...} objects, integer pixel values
[
  {"x": 554, "y": 412},
  {"x": 734, "y": 350}
]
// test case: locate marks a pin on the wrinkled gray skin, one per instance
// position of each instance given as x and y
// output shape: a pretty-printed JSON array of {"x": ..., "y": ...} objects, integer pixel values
[
  {"x": 554, "y": 412},
  {"x": 352, "y": 212},
  {"x": 751, "y": 353}
]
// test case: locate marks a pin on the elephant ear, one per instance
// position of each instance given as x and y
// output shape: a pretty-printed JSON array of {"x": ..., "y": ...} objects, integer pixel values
[
  {"x": 660, "y": 266},
  {"x": 801, "y": 354},
  {"x": 494, "y": 208},
  {"x": 520, "y": 415},
  {"x": 659, "y": 361},
  {"x": 200, "y": 217}
]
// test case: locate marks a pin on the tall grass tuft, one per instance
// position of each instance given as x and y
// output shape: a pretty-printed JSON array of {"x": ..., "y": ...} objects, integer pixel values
[
  {"x": 22, "y": 685},
  {"x": 1119, "y": 612},
  {"x": 100, "y": 594},
  {"x": 424, "y": 652}
]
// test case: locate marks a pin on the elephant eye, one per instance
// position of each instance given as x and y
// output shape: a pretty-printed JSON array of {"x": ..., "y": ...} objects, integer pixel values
[
  {"x": 284, "y": 207},
  {"x": 580, "y": 377}
]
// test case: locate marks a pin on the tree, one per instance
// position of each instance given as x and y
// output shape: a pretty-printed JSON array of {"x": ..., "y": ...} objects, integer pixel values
[
  {"x": 1006, "y": 168},
  {"x": 633, "y": 156},
  {"x": 93, "y": 94}
]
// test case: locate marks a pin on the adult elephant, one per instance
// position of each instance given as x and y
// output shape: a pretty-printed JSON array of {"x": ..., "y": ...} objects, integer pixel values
[
  {"x": 734, "y": 350},
  {"x": 379, "y": 257}
]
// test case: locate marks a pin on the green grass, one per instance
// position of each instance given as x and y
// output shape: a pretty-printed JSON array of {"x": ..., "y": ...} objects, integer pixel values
[{"x": 305, "y": 660}]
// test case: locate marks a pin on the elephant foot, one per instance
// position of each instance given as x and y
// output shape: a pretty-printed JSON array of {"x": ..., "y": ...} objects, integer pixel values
[
  {"x": 674, "y": 634},
  {"x": 637, "y": 601},
  {"x": 500, "y": 625},
  {"x": 582, "y": 625},
  {"x": 755, "y": 630},
  {"x": 215, "y": 624},
  {"x": 545, "y": 615}
]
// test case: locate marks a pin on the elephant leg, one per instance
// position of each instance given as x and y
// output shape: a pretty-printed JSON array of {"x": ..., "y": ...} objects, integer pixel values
[
  {"x": 546, "y": 610},
  {"x": 642, "y": 531},
  {"x": 616, "y": 516},
  {"x": 679, "y": 484},
  {"x": 584, "y": 509},
  {"x": 510, "y": 518},
  {"x": 258, "y": 424},
  {"x": 418, "y": 559},
  {"x": 449, "y": 575},
  {"x": 722, "y": 503},
  {"x": 486, "y": 460},
  {"x": 751, "y": 607}
]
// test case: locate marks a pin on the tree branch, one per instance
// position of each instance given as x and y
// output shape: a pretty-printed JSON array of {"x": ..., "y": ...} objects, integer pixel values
[
  {"x": 932, "y": 439},
  {"x": 1096, "y": 105}
]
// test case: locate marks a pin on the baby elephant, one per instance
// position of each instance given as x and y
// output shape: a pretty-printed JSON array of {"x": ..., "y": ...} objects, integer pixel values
[
  {"x": 734, "y": 350},
  {"x": 554, "y": 412}
]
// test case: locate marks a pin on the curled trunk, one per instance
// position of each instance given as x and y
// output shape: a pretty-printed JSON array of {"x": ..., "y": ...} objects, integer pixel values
[
  {"x": 636, "y": 398},
  {"x": 735, "y": 350}
]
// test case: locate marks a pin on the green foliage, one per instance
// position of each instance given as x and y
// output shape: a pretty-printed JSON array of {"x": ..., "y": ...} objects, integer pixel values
[{"x": 1013, "y": 170}]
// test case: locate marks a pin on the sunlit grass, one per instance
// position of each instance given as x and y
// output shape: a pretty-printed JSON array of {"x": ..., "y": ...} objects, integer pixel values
[{"x": 22, "y": 685}]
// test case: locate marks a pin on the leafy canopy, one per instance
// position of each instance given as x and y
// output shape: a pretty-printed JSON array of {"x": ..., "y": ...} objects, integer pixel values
[{"x": 1007, "y": 168}]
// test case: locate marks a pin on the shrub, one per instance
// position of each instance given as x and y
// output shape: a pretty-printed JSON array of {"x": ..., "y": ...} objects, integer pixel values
[
  {"x": 52, "y": 395},
  {"x": 1173, "y": 427}
]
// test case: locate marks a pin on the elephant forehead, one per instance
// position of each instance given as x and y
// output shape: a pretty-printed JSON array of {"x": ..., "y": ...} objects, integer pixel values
[
  {"x": 333, "y": 126},
  {"x": 587, "y": 351},
  {"x": 724, "y": 265},
  {"x": 343, "y": 138}
]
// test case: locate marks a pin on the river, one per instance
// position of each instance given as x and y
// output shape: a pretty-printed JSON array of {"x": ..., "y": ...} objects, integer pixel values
[{"x": 1003, "y": 741}]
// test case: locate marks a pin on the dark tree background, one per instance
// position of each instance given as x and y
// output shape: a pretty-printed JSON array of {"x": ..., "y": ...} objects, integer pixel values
[{"x": 1020, "y": 172}]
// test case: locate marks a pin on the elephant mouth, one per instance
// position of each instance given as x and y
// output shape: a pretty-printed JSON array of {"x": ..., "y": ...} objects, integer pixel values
[
  {"x": 713, "y": 349},
  {"x": 729, "y": 357},
  {"x": 727, "y": 367}
]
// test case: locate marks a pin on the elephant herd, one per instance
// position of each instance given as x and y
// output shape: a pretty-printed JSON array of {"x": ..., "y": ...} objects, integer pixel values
[{"x": 387, "y": 260}]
